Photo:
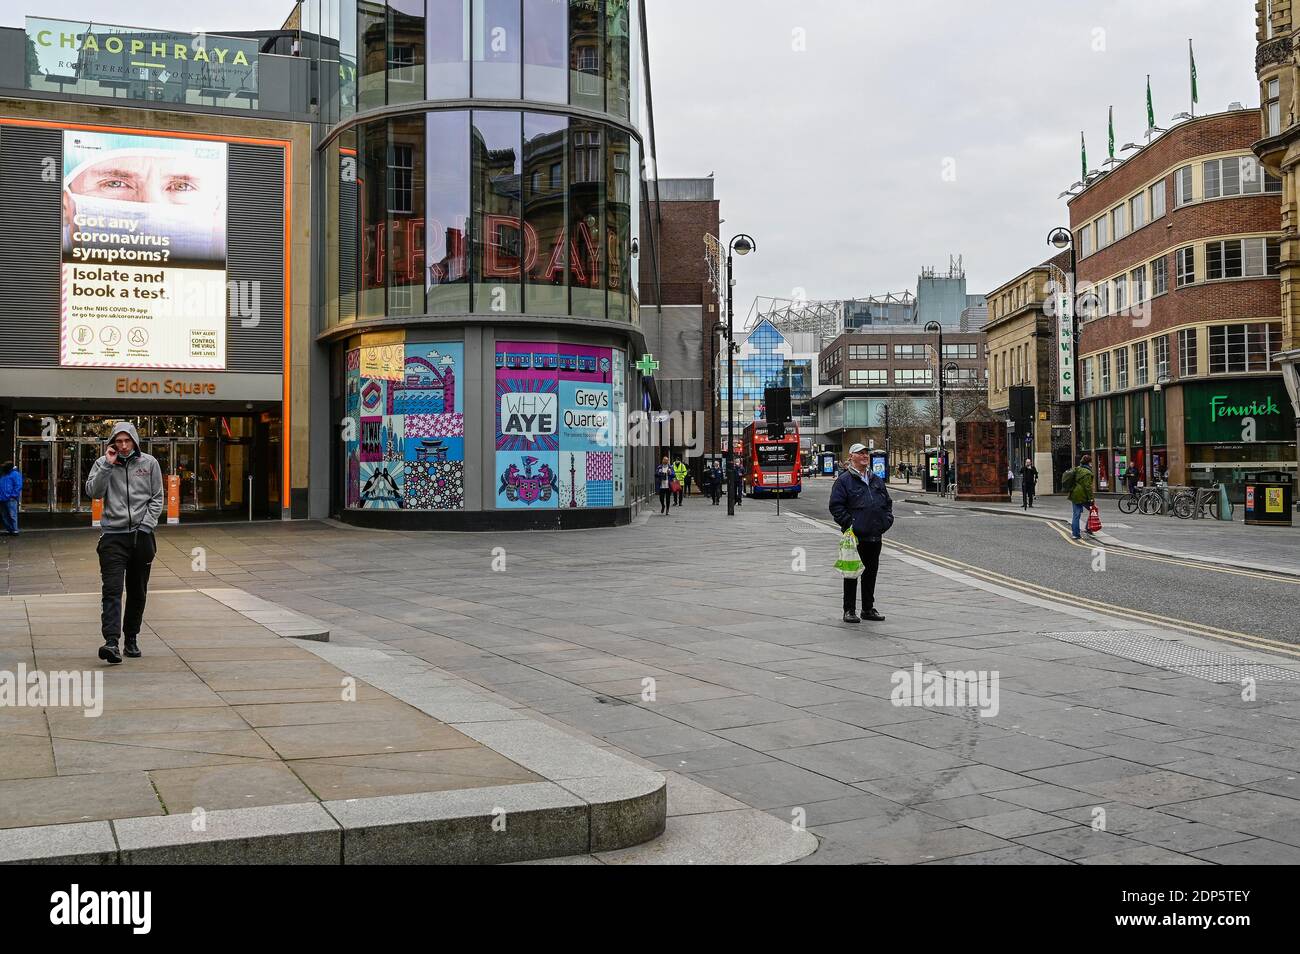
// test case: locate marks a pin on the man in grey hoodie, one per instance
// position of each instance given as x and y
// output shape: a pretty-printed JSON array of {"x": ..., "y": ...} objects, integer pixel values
[{"x": 130, "y": 483}]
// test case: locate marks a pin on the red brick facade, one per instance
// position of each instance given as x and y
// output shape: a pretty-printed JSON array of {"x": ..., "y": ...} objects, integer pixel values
[{"x": 1253, "y": 214}]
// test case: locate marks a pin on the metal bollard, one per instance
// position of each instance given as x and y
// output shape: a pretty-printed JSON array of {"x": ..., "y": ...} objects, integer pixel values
[{"x": 1225, "y": 512}]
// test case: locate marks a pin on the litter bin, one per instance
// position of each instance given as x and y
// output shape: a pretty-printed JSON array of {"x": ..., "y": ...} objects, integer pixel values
[{"x": 1269, "y": 500}]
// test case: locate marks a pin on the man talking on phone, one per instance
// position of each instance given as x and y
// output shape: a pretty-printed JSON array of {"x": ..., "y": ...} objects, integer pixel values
[{"x": 129, "y": 482}]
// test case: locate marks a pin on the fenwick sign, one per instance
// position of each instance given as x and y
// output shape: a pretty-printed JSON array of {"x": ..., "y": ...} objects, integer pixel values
[
  {"x": 1065, "y": 347},
  {"x": 1220, "y": 408},
  {"x": 1233, "y": 411}
]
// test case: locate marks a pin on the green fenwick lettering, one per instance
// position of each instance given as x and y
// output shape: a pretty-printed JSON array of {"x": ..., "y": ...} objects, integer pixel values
[{"x": 1219, "y": 409}]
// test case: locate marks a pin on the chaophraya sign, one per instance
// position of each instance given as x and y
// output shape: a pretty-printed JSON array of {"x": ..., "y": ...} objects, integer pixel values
[
  {"x": 144, "y": 252},
  {"x": 99, "y": 59}
]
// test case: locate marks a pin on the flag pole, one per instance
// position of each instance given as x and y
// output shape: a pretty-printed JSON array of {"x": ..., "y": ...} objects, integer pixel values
[{"x": 1191, "y": 76}]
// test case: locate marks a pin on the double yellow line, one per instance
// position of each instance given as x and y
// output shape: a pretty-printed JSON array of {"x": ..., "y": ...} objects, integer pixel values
[
  {"x": 1083, "y": 602},
  {"x": 1154, "y": 558}
]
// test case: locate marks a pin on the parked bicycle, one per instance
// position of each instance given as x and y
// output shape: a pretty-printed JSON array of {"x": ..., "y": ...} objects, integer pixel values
[
  {"x": 1202, "y": 501},
  {"x": 1149, "y": 501}
]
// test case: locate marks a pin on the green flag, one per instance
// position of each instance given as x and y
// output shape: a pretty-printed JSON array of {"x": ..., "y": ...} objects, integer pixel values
[
  {"x": 1083, "y": 156},
  {"x": 1192, "y": 58},
  {"x": 1110, "y": 141},
  {"x": 1151, "y": 111}
]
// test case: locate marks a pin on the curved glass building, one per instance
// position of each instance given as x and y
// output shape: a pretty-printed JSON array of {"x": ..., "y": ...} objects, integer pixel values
[{"x": 482, "y": 181}]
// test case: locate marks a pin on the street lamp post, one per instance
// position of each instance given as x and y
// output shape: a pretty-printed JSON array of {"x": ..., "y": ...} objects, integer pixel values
[
  {"x": 1061, "y": 238},
  {"x": 938, "y": 370},
  {"x": 742, "y": 245}
]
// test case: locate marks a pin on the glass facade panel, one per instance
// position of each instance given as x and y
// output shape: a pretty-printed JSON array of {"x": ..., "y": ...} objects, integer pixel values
[
  {"x": 545, "y": 240},
  {"x": 447, "y": 49},
  {"x": 546, "y": 38},
  {"x": 634, "y": 220},
  {"x": 586, "y": 219},
  {"x": 616, "y": 57},
  {"x": 372, "y": 55},
  {"x": 497, "y": 42},
  {"x": 586, "y": 54},
  {"x": 406, "y": 216},
  {"x": 373, "y": 189},
  {"x": 617, "y": 233},
  {"x": 494, "y": 188},
  {"x": 447, "y": 212},
  {"x": 405, "y": 51}
]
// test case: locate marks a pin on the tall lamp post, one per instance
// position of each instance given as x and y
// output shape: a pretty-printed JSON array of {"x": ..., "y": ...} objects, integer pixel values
[
  {"x": 1061, "y": 238},
  {"x": 938, "y": 370},
  {"x": 742, "y": 244}
]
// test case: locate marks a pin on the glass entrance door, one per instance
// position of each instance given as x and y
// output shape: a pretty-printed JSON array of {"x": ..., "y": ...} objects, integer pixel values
[
  {"x": 179, "y": 457},
  {"x": 186, "y": 455},
  {"x": 66, "y": 491},
  {"x": 34, "y": 462}
]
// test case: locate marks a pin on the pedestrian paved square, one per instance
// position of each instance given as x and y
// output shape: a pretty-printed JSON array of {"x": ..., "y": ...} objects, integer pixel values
[{"x": 219, "y": 713}]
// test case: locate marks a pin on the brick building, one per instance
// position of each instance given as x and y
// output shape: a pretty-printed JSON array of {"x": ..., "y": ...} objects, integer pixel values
[
  {"x": 679, "y": 318},
  {"x": 1277, "y": 63},
  {"x": 1022, "y": 362},
  {"x": 862, "y": 372},
  {"x": 1179, "y": 299}
]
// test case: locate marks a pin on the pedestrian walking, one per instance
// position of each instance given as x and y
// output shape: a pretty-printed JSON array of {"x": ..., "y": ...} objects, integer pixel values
[
  {"x": 1131, "y": 478},
  {"x": 130, "y": 483},
  {"x": 679, "y": 481},
  {"x": 11, "y": 492},
  {"x": 714, "y": 474},
  {"x": 860, "y": 501},
  {"x": 1011, "y": 484},
  {"x": 1028, "y": 484},
  {"x": 738, "y": 480},
  {"x": 1079, "y": 483},
  {"x": 664, "y": 485}
]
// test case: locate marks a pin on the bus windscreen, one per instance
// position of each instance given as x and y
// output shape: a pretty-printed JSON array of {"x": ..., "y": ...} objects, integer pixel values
[{"x": 775, "y": 456}]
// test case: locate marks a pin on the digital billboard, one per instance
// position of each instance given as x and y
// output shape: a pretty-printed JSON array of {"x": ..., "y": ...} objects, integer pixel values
[{"x": 144, "y": 252}]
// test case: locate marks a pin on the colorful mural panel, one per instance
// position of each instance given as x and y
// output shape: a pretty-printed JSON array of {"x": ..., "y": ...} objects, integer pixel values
[
  {"x": 407, "y": 446},
  {"x": 556, "y": 403}
]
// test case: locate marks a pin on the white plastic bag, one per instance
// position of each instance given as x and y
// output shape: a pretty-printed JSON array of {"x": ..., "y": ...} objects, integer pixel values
[{"x": 849, "y": 564}]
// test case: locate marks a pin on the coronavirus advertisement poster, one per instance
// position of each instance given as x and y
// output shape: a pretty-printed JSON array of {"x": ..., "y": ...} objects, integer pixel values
[{"x": 144, "y": 252}]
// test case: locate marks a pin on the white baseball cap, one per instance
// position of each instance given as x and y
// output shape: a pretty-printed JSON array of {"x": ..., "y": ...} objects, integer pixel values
[{"x": 857, "y": 448}]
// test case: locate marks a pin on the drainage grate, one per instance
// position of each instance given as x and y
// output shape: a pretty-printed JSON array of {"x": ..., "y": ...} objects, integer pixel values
[
  {"x": 798, "y": 523},
  {"x": 1177, "y": 656}
]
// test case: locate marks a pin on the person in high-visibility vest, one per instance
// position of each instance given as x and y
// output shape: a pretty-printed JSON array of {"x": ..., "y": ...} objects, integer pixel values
[{"x": 679, "y": 472}]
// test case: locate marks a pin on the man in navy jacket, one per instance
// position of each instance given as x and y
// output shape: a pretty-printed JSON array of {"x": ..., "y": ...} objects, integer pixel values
[{"x": 861, "y": 500}]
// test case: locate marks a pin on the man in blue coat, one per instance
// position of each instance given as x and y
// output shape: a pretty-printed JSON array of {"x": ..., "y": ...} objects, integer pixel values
[
  {"x": 861, "y": 500},
  {"x": 11, "y": 492}
]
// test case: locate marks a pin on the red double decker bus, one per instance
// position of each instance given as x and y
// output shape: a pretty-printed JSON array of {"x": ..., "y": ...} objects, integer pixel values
[{"x": 772, "y": 463}]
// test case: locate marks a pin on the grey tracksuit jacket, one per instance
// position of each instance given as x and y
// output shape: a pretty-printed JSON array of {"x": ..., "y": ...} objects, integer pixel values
[{"x": 132, "y": 489}]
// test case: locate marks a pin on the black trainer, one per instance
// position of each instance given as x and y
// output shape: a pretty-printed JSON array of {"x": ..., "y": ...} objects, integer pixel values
[
  {"x": 132, "y": 648},
  {"x": 873, "y": 615},
  {"x": 108, "y": 652},
  {"x": 851, "y": 617}
]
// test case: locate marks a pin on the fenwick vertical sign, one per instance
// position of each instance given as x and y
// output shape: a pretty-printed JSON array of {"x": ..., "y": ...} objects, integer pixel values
[{"x": 1065, "y": 345}]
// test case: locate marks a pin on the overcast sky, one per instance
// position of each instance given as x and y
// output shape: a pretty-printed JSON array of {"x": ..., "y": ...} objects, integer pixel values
[{"x": 833, "y": 156}]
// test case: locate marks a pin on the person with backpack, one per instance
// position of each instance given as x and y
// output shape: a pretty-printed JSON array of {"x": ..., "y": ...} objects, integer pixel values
[{"x": 1079, "y": 484}]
